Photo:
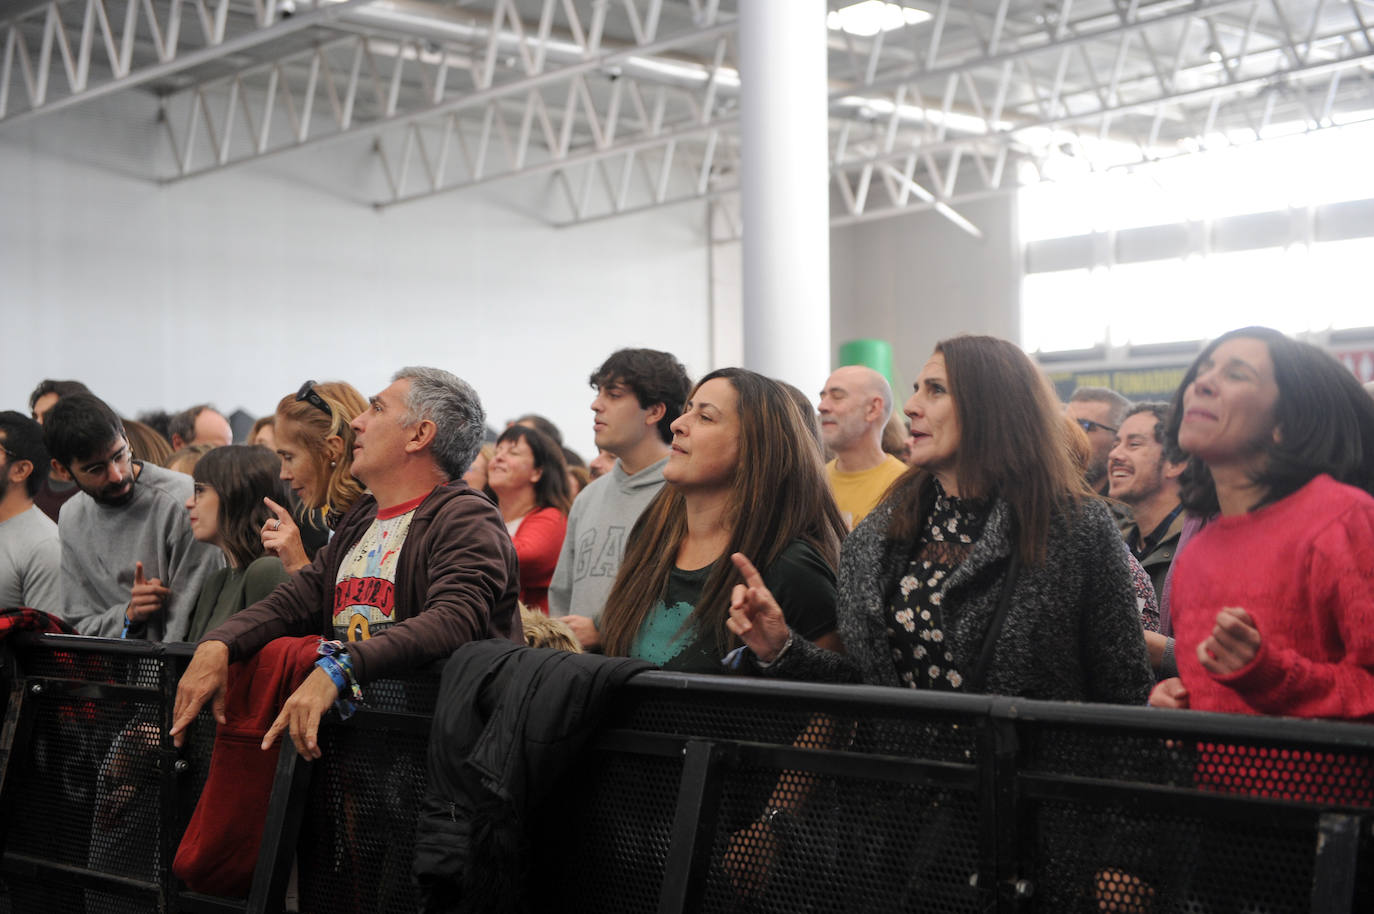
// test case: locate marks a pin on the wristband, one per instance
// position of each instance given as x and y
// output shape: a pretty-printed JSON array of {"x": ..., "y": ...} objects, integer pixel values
[
  {"x": 127, "y": 622},
  {"x": 334, "y": 660}
]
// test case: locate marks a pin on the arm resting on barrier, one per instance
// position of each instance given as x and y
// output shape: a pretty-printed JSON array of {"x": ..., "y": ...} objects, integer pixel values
[{"x": 205, "y": 679}]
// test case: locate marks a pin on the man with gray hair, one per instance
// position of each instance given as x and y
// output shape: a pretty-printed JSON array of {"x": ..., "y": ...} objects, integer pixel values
[
  {"x": 854, "y": 408},
  {"x": 418, "y": 567},
  {"x": 1099, "y": 411}
]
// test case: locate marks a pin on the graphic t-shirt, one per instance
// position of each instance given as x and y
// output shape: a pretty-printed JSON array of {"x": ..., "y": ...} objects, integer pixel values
[
  {"x": 365, "y": 589},
  {"x": 801, "y": 582}
]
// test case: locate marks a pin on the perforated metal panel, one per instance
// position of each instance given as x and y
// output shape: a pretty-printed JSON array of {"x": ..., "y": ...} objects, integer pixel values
[
  {"x": 729, "y": 796},
  {"x": 358, "y": 839}
]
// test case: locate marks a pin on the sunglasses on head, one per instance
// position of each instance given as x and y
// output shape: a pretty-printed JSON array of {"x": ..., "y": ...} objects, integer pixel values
[
  {"x": 1088, "y": 425},
  {"x": 309, "y": 395}
]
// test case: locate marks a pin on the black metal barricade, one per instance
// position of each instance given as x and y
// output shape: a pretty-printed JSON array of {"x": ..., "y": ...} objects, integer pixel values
[{"x": 710, "y": 794}]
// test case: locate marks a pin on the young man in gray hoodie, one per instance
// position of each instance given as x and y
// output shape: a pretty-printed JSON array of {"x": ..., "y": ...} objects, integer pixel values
[{"x": 639, "y": 394}]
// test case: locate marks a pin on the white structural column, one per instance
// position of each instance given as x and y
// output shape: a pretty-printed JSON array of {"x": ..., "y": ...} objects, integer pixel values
[{"x": 784, "y": 189}]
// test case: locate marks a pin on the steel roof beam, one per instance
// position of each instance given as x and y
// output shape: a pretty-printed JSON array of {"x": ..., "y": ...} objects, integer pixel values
[
  {"x": 98, "y": 33},
  {"x": 370, "y": 78}
]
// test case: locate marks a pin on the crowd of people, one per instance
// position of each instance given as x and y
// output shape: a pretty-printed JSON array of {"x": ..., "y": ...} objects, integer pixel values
[{"x": 1213, "y": 552}]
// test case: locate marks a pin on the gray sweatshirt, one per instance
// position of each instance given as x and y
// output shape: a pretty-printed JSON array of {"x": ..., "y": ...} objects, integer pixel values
[
  {"x": 101, "y": 543},
  {"x": 598, "y": 526},
  {"x": 30, "y": 563}
]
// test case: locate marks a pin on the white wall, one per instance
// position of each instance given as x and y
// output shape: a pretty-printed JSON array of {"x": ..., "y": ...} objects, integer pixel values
[
  {"x": 233, "y": 288},
  {"x": 914, "y": 280}
]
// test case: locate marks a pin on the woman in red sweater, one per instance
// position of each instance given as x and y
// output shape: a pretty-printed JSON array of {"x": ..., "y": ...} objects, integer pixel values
[
  {"x": 1273, "y": 602},
  {"x": 530, "y": 481}
]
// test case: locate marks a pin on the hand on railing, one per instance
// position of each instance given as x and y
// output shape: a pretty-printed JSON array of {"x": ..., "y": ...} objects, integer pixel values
[
  {"x": 205, "y": 678},
  {"x": 1171, "y": 693},
  {"x": 301, "y": 714},
  {"x": 754, "y": 615}
]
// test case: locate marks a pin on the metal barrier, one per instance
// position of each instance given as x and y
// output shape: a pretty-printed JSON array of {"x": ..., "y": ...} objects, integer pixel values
[{"x": 884, "y": 800}]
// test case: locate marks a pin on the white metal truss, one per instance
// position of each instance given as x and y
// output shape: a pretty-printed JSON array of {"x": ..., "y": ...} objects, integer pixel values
[
  {"x": 64, "y": 52},
  {"x": 621, "y": 122},
  {"x": 624, "y": 105},
  {"x": 946, "y": 112}
]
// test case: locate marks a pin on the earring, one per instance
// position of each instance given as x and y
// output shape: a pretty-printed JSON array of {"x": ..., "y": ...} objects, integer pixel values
[{"x": 333, "y": 463}]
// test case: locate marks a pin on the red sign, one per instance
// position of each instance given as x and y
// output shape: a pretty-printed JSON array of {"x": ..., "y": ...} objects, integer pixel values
[{"x": 1359, "y": 361}]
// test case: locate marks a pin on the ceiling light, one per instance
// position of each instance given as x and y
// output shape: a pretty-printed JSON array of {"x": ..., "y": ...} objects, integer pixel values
[{"x": 873, "y": 16}]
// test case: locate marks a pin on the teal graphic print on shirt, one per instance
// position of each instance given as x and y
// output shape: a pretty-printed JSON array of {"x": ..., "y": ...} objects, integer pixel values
[{"x": 664, "y": 634}]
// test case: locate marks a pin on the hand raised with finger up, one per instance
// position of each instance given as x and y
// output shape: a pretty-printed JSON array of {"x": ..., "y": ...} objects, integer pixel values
[
  {"x": 755, "y": 615},
  {"x": 282, "y": 538}
]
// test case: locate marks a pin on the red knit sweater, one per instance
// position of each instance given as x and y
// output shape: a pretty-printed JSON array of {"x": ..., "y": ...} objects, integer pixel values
[
  {"x": 1303, "y": 568},
  {"x": 538, "y": 542}
]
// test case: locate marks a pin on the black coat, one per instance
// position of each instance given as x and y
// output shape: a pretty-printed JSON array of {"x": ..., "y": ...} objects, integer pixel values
[{"x": 508, "y": 722}]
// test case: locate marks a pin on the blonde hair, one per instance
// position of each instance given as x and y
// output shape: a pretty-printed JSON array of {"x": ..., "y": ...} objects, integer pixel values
[
  {"x": 312, "y": 428},
  {"x": 541, "y": 631}
]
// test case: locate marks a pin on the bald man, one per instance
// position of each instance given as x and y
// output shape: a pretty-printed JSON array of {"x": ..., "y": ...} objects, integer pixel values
[{"x": 855, "y": 405}]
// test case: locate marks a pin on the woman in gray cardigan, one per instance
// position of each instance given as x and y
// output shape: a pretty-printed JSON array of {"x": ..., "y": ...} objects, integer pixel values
[{"x": 989, "y": 567}]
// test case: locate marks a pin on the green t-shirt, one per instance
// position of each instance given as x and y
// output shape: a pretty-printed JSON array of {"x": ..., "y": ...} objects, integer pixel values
[
  {"x": 229, "y": 590},
  {"x": 801, "y": 582}
]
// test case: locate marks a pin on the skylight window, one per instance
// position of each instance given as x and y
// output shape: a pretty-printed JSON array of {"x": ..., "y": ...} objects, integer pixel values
[{"x": 873, "y": 16}]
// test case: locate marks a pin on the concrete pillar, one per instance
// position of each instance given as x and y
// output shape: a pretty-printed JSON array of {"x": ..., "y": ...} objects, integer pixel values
[{"x": 785, "y": 189}]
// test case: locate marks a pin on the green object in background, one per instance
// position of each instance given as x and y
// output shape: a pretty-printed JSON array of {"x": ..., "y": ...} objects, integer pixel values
[{"x": 876, "y": 354}]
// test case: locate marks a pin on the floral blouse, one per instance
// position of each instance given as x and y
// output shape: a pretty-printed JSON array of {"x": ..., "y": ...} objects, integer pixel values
[{"x": 915, "y": 621}]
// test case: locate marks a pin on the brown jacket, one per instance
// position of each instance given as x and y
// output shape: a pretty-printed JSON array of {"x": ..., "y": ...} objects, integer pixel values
[{"x": 456, "y": 582}]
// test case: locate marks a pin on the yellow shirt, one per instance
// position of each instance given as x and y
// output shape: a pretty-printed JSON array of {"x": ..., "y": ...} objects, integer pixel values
[{"x": 858, "y": 493}]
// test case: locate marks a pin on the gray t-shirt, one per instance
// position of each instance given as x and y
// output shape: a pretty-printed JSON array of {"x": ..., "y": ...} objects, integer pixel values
[
  {"x": 101, "y": 544},
  {"x": 30, "y": 563}
]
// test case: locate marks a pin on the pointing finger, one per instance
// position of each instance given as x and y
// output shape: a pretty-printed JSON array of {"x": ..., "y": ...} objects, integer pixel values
[
  {"x": 747, "y": 570},
  {"x": 282, "y": 513}
]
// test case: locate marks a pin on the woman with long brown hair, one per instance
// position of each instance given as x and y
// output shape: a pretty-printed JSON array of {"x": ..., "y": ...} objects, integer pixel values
[
  {"x": 989, "y": 560},
  {"x": 743, "y": 475},
  {"x": 315, "y": 444},
  {"x": 990, "y": 567}
]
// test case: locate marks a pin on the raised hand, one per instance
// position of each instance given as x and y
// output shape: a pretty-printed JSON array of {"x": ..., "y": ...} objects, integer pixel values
[
  {"x": 147, "y": 597},
  {"x": 282, "y": 538},
  {"x": 1233, "y": 644},
  {"x": 754, "y": 615}
]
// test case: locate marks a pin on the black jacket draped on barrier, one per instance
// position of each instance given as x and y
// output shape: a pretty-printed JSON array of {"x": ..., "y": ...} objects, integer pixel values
[{"x": 509, "y": 721}]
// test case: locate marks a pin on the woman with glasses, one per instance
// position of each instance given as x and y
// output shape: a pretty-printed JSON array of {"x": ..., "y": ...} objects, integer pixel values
[
  {"x": 527, "y": 475},
  {"x": 228, "y": 506},
  {"x": 315, "y": 444}
]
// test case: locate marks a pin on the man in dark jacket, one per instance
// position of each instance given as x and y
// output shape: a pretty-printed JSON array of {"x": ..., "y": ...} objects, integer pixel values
[{"x": 417, "y": 568}]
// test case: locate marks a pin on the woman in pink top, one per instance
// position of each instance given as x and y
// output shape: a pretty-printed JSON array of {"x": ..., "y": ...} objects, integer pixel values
[
  {"x": 527, "y": 475},
  {"x": 1273, "y": 601}
]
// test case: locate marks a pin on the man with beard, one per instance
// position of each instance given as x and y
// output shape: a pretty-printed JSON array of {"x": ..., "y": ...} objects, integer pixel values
[
  {"x": 130, "y": 566},
  {"x": 1099, "y": 411},
  {"x": 30, "y": 556},
  {"x": 1143, "y": 474},
  {"x": 854, "y": 409}
]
